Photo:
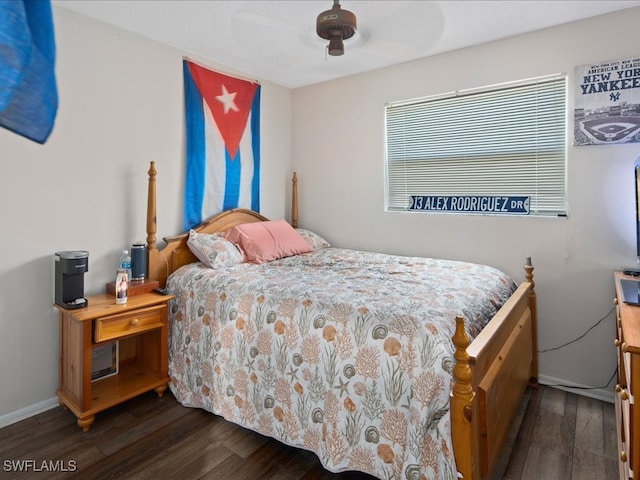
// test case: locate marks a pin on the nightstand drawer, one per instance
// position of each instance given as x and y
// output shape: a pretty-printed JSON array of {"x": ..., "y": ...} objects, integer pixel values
[{"x": 129, "y": 323}]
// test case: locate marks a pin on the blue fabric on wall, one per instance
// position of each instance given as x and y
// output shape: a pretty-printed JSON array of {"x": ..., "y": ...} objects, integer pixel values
[{"x": 28, "y": 91}]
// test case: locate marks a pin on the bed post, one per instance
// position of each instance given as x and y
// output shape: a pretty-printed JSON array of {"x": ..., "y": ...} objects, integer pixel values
[
  {"x": 153, "y": 255},
  {"x": 151, "y": 208},
  {"x": 528, "y": 275},
  {"x": 462, "y": 396},
  {"x": 294, "y": 200}
]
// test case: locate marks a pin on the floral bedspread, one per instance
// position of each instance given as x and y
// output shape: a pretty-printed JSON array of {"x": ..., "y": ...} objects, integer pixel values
[{"x": 341, "y": 352}]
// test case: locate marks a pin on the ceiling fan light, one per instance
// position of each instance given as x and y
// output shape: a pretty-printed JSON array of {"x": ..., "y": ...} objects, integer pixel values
[
  {"x": 336, "y": 45},
  {"x": 336, "y": 25}
]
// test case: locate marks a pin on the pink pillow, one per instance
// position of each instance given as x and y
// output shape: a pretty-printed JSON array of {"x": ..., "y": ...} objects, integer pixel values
[{"x": 265, "y": 241}]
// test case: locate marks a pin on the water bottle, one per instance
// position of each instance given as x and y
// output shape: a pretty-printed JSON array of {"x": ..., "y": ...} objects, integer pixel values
[{"x": 125, "y": 263}]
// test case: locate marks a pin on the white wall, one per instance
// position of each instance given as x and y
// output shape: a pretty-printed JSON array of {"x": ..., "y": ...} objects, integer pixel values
[
  {"x": 338, "y": 152},
  {"x": 121, "y": 106}
]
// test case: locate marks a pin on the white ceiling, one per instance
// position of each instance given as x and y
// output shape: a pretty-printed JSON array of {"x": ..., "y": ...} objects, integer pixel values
[{"x": 276, "y": 40}]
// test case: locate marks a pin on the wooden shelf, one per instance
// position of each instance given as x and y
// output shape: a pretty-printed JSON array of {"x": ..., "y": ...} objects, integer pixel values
[{"x": 130, "y": 382}]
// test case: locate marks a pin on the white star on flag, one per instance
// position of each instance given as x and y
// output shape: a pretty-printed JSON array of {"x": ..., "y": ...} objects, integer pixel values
[{"x": 226, "y": 99}]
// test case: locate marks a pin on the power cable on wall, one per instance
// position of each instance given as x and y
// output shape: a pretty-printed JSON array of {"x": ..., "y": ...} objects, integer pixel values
[
  {"x": 575, "y": 340},
  {"x": 581, "y": 336}
]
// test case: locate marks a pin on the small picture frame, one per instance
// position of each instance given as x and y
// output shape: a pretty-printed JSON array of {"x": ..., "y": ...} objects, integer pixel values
[
  {"x": 122, "y": 286},
  {"x": 104, "y": 360}
]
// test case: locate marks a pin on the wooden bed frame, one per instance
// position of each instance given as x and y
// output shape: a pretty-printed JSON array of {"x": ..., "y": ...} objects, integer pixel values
[{"x": 490, "y": 374}]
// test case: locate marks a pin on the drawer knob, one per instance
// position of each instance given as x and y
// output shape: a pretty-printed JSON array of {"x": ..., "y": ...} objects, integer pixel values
[
  {"x": 624, "y": 347},
  {"x": 623, "y": 456},
  {"x": 617, "y": 342},
  {"x": 135, "y": 322},
  {"x": 624, "y": 395}
]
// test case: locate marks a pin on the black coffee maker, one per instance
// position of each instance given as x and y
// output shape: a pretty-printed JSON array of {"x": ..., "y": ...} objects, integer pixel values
[{"x": 70, "y": 267}]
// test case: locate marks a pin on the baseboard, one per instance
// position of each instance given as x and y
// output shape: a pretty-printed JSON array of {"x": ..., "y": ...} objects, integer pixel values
[
  {"x": 603, "y": 394},
  {"x": 28, "y": 411}
]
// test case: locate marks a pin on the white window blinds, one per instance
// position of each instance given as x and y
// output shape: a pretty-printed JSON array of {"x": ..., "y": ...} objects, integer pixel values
[{"x": 507, "y": 140}]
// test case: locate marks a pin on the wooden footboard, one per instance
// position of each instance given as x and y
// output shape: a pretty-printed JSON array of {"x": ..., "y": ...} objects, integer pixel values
[{"x": 490, "y": 377}]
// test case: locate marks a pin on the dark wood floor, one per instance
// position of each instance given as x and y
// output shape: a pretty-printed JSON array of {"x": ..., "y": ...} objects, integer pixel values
[{"x": 562, "y": 436}]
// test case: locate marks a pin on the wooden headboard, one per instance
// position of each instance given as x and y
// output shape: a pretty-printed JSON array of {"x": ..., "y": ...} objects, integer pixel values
[{"x": 176, "y": 253}]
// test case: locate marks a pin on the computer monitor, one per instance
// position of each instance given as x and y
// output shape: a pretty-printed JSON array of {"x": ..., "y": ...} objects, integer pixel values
[
  {"x": 631, "y": 288},
  {"x": 637, "y": 205}
]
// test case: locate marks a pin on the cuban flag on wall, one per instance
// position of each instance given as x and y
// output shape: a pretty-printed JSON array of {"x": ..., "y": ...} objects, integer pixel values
[
  {"x": 28, "y": 90},
  {"x": 223, "y": 144}
]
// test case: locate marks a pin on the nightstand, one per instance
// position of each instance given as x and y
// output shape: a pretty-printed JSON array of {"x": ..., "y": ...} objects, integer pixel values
[{"x": 139, "y": 327}]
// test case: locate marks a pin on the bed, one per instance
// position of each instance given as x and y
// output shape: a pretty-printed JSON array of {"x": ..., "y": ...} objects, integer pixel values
[{"x": 400, "y": 367}]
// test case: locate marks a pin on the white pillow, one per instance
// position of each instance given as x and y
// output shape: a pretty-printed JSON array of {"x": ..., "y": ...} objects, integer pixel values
[
  {"x": 315, "y": 240},
  {"x": 213, "y": 250}
]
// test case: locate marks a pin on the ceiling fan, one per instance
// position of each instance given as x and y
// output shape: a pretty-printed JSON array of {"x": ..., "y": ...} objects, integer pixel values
[
  {"x": 336, "y": 25},
  {"x": 279, "y": 35}
]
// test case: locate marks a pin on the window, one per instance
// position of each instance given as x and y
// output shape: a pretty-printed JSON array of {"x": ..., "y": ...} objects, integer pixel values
[{"x": 505, "y": 141}]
